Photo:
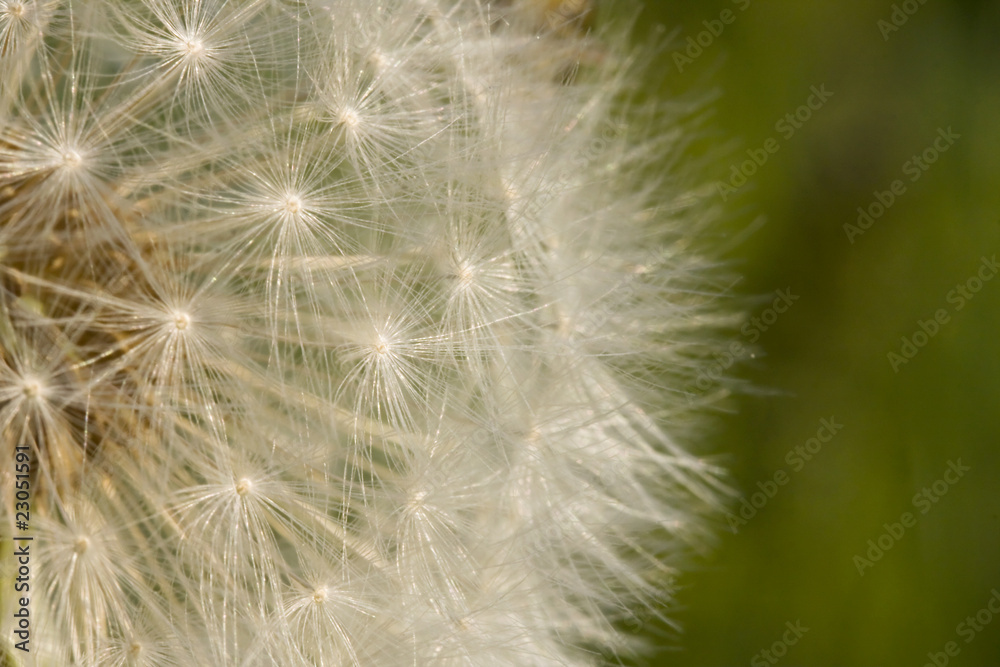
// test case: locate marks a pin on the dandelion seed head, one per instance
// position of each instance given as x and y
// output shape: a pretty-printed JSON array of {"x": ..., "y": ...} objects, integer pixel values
[
  {"x": 193, "y": 47},
  {"x": 325, "y": 323},
  {"x": 380, "y": 60},
  {"x": 466, "y": 274},
  {"x": 181, "y": 320},
  {"x": 244, "y": 486},
  {"x": 383, "y": 344},
  {"x": 81, "y": 545},
  {"x": 293, "y": 204},
  {"x": 15, "y": 9},
  {"x": 34, "y": 389},
  {"x": 71, "y": 159},
  {"x": 349, "y": 117},
  {"x": 417, "y": 501}
]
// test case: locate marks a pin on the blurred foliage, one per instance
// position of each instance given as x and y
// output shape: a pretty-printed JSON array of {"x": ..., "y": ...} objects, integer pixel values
[{"x": 827, "y": 355}]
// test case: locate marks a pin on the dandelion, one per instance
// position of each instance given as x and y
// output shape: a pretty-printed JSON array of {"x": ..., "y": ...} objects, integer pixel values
[{"x": 342, "y": 333}]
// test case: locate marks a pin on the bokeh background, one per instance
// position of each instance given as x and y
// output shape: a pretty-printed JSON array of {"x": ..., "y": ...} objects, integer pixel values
[{"x": 826, "y": 357}]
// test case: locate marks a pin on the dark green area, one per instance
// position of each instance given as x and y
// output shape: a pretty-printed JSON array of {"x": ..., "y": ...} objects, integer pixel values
[{"x": 827, "y": 356}]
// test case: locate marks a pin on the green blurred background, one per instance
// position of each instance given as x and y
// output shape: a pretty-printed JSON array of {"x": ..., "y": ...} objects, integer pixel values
[{"x": 827, "y": 355}]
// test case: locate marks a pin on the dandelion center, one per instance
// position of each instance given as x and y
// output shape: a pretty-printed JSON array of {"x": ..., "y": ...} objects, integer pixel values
[
  {"x": 32, "y": 388},
  {"x": 417, "y": 500},
  {"x": 194, "y": 47},
  {"x": 379, "y": 59},
  {"x": 243, "y": 487},
  {"x": 320, "y": 595},
  {"x": 349, "y": 117},
  {"x": 466, "y": 273},
  {"x": 293, "y": 204},
  {"x": 71, "y": 158},
  {"x": 81, "y": 545},
  {"x": 181, "y": 320},
  {"x": 382, "y": 345}
]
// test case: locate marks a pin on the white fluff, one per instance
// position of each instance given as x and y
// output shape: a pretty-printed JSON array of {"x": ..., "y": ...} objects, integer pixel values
[{"x": 342, "y": 333}]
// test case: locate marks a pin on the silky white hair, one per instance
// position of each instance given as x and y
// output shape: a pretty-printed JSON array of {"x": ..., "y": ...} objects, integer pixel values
[{"x": 344, "y": 332}]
